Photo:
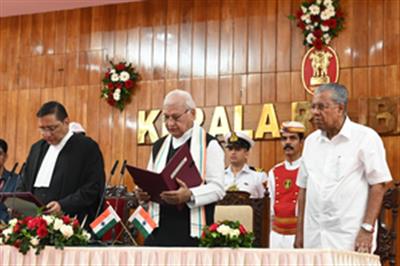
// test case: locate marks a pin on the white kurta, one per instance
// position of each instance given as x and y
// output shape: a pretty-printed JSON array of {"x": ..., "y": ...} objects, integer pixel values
[
  {"x": 246, "y": 180},
  {"x": 337, "y": 174}
]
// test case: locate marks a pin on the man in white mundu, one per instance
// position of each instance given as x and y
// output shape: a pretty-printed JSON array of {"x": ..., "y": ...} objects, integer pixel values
[
  {"x": 183, "y": 227},
  {"x": 342, "y": 178}
]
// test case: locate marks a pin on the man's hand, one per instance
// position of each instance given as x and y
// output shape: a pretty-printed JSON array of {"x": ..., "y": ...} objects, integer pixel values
[
  {"x": 53, "y": 207},
  {"x": 178, "y": 196},
  {"x": 363, "y": 242},
  {"x": 141, "y": 195}
]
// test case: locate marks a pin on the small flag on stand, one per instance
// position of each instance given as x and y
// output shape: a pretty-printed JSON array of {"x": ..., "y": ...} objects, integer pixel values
[
  {"x": 143, "y": 222},
  {"x": 105, "y": 222}
]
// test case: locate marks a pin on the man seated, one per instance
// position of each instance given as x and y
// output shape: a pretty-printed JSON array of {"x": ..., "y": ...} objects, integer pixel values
[
  {"x": 283, "y": 188},
  {"x": 239, "y": 176}
]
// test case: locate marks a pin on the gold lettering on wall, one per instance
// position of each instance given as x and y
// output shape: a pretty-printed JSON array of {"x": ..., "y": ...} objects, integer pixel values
[
  {"x": 268, "y": 122},
  {"x": 219, "y": 123},
  {"x": 238, "y": 121},
  {"x": 146, "y": 126}
]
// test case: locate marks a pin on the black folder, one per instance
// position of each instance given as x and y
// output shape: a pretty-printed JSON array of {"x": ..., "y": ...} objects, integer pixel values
[{"x": 180, "y": 166}]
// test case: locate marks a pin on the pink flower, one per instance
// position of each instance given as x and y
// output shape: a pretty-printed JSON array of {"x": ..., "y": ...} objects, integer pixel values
[
  {"x": 129, "y": 84},
  {"x": 120, "y": 67}
]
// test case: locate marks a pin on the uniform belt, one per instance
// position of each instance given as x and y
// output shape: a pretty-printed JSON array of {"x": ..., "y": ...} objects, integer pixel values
[
  {"x": 285, "y": 220},
  {"x": 284, "y": 231}
]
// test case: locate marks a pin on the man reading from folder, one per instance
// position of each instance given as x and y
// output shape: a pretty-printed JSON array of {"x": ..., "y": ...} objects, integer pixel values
[
  {"x": 182, "y": 226},
  {"x": 64, "y": 170}
]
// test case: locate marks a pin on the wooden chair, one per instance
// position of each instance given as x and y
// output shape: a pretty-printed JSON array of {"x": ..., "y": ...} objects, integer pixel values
[
  {"x": 387, "y": 230},
  {"x": 239, "y": 202}
]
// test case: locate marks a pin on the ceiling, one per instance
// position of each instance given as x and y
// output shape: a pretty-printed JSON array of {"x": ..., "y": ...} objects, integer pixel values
[{"x": 23, "y": 7}]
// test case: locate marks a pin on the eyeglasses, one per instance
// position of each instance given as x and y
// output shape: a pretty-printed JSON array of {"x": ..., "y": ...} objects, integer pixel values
[
  {"x": 50, "y": 129},
  {"x": 174, "y": 118}
]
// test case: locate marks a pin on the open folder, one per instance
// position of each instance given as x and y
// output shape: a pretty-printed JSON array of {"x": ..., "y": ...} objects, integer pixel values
[
  {"x": 24, "y": 203},
  {"x": 180, "y": 166}
]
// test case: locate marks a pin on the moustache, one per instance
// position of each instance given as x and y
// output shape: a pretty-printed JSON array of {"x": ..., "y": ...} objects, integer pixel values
[{"x": 288, "y": 147}]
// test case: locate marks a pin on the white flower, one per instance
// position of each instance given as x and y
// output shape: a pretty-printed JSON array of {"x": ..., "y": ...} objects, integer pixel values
[
  {"x": 114, "y": 77},
  {"x": 327, "y": 38},
  {"x": 324, "y": 28},
  {"x": 314, "y": 9},
  {"x": 58, "y": 223},
  {"x": 105, "y": 95},
  {"x": 67, "y": 231},
  {"x": 315, "y": 24},
  {"x": 310, "y": 38},
  {"x": 310, "y": 27},
  {"x": 328, "y": 3},
  {"x": 319, "y": 2},
  {"x": 35, "y": 241},
  {"x": 325, "y": 15},
  {"x": 117, "y": 95},
  {"x": 13, "y": 222},
  {"x": 303, "y": 9},
  {"x": 48, "y": 218},
  {"x": 6, "y": 233},
  {"x": 112, "y": 71},
  {"x": 223, "y": 229},
  {"x": 305, "y": 17},
  {"x": 234, "y": 233},
  {"x": 1, "y": 241},
  {"x": 86, "y": 235},
  {"x": 124, "y": 76}
]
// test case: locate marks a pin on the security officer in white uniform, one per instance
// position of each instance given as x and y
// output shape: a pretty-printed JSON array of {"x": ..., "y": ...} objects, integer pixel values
[{"x": 239, "y": 176}]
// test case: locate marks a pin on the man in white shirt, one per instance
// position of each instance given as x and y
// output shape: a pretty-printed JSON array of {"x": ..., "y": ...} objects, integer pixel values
[
  {"x": 183, "y": 226},
  {"x": 283, "y": 189},
  {"x": 239, "y": 176},
  {"x": 342, "y": 178},
  {"x": 64, "y": 170}
]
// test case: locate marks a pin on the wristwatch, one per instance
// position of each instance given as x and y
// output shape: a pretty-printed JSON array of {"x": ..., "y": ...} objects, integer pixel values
[{"x": 367, "y": 227}]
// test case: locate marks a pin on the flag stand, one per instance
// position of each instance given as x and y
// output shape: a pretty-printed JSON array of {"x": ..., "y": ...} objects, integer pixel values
[{"x": 126, "y": 231}]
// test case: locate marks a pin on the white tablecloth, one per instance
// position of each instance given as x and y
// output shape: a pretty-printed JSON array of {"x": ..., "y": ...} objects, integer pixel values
[{"x": 183, "y": 256}]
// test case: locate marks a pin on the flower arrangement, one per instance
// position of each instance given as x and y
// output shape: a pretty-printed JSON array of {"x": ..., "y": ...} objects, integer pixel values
[
  {"x": 226, "y": 234},
  {"x": 320, "y": 21},
  {"x": 39, "y": 231},
  {"x": 118, "y": 81}
]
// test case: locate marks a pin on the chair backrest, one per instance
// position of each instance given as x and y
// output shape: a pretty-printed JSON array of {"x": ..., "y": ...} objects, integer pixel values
[
  {"x": 387, "y": 228},
  {"x": 258, "y": 214}
]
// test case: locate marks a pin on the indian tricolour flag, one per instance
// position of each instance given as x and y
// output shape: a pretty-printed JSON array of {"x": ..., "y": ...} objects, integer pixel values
[
  {"x": 143, "y": 222},
  {"x": 105, "y": 222}
]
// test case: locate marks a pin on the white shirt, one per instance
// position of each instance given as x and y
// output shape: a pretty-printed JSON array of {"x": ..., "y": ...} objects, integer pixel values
[
  {"x": 337, "y": 174},
  {"x": 271, "y": 179},
  {"x": 213, "y": 190},
  {"x": 46, "y": 169},
  {"x": 246, "y": 180}
]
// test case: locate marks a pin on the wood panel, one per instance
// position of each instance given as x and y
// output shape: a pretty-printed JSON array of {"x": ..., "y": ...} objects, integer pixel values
[{"x": 224, "y": 52}]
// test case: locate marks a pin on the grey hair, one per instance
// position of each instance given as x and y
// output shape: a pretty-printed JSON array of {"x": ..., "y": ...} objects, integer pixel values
[
  {"x": 171, "y": 97},
  {"x": 339, "y": 92}
]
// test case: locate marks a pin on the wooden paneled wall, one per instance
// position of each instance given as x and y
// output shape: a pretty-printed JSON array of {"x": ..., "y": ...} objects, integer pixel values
[{"x": 224, "y": 52}]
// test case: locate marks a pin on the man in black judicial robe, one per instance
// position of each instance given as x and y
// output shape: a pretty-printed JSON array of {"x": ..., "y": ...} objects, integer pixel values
[{"x": 64, "y": 170}]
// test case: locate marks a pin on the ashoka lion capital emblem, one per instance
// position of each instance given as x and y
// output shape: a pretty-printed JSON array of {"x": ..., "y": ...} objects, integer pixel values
[{"x": 319, "y": 67}]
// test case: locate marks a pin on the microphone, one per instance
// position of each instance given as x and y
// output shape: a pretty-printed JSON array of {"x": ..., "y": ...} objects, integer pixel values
[
  {"x": 14, "y": 168},
  {"x": 112, "y": 172},
  {"x": 22, "y": 169},
  {"x": 122, "y": 172}
]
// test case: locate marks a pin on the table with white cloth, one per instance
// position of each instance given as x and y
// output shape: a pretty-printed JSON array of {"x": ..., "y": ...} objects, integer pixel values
[{"x": 183, "y": 256}]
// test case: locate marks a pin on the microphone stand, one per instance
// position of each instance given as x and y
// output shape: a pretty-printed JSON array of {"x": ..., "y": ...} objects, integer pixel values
[
  {"x": 105, "y": 188},
  {"x": 119, "y": 192}
]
